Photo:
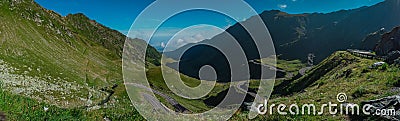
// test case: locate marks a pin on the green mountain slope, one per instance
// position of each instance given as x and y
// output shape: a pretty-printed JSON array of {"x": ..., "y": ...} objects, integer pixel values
[
  {"x": 342, "y": 72},
  {"x": 72, "y": 63}
]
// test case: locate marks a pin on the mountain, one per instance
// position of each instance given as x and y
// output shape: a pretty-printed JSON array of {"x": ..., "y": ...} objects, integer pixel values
[
  {"x": 389, "y": 42},
  {"x": 372, "y": 39},
  {"x": 297, "y": 35},
  {"x": 70, "y": 64}
]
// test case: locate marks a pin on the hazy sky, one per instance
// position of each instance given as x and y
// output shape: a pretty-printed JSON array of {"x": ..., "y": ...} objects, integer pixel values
[{"x": 120, "y": 14}]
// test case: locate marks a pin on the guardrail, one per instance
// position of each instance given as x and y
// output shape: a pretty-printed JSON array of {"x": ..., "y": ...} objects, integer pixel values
[{"x": 364, "y": 54}]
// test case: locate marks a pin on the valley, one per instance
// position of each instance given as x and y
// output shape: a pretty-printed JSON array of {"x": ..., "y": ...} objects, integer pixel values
[{"x": 55, "y": 67}]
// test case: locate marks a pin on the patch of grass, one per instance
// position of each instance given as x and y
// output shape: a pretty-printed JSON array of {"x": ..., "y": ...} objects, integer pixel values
[
  {"x": 287, "y": 65},
  {"x": 384, "y": 66},
  {"x": 17, "y": 107},
  {"x": 157, "y": 82},
  {"x": 394, "y": 82},
  {"x": 21, "y": 108},
  {"x": 291, "y": 65},
  {"x": 359, "y": 92},
  {"x": 156, "y": 79}
]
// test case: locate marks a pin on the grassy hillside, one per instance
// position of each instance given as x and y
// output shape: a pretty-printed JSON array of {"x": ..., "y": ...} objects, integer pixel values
[
  {"x": 69, "y": 68},
  {"x": 72, "y": 65},
  {"x": 340, "y": 73},
  {"x": 157, "y": 82},
  {"x": 292, "y": 67}
]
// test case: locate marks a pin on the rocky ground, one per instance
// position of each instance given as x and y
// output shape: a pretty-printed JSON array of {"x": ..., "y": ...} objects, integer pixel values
[{"x": 50, "y": 89}]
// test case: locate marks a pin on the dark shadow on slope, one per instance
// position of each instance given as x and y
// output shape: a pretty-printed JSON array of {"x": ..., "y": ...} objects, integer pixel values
[
  {"x": 215, "y": 100},
  {"x": 194, "y": 59}
]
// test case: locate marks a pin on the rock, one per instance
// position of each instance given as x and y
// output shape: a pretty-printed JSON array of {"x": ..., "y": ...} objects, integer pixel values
[
  {"x": 397, "y": 62},
  {"x": 96, "y": 107},
  {"x": 45, "y": 109},
  {"x": 387, "y": 103},
  {"x": 347, "y": 73},
  {"x": 106, "y": 119},
  {"x": 389, "y": 42},
  {"x": 377, "y": 64},
  {"x": 392, "y": 56},
  {"x": 2, "y": 117}
]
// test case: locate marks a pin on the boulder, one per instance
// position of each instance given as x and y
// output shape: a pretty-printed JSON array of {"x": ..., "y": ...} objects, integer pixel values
[
  {"x": 392, "y": 56},
  {"x": 397, "y": 62},
  {"x": 387, "y": 103},
  {"x": 389, "y": 42}
]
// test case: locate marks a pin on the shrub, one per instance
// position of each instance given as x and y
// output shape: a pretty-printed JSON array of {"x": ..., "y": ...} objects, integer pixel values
[
  {"x": 384, "y": 66},
  {"x": 359, "y": 92}
]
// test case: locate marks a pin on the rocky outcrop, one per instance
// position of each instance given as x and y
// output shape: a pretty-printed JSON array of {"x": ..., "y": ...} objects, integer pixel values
[
  {"x": 369, "y": 42},
  {"x": 397, "y": 62},
  {"x": 387, "y": 103},
  {"x": 392, "y": 57},
  {"x": 389, "y": 42}
]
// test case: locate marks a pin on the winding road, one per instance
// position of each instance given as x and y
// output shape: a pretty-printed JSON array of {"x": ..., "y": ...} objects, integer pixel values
[
  {"x": 241, "y": 85},
  {"x": 178, "y": 107},
  {"x": 303, "y": 71},
  {"x": 153, "y": 101},
  {"x": 266, "y": 65}
]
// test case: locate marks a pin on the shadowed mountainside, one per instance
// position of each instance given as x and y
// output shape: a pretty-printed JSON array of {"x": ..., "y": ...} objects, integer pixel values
[
  {"x": 389, "y": 42},
  {"x": 297, "y": 35}
]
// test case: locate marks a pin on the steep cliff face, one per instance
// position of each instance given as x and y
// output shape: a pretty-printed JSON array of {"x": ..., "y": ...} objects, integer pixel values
[
  {"x": 389, "y": 42},
  {"x": 369, "y": 42}
]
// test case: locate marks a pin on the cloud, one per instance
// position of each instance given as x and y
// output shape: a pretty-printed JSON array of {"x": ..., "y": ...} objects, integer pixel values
[
  {"x": 173, "y": 38},
  {"x": 193, "y": 34},
  {"x": 282, "y": 6},
  {"x": 229, "y": 23},
  {"x": 162, "y": 45},
  {"x": 146, "y": 34}
]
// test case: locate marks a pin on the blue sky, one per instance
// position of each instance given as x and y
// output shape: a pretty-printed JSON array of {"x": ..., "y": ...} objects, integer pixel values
[{"x": 119, "y": 15}]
